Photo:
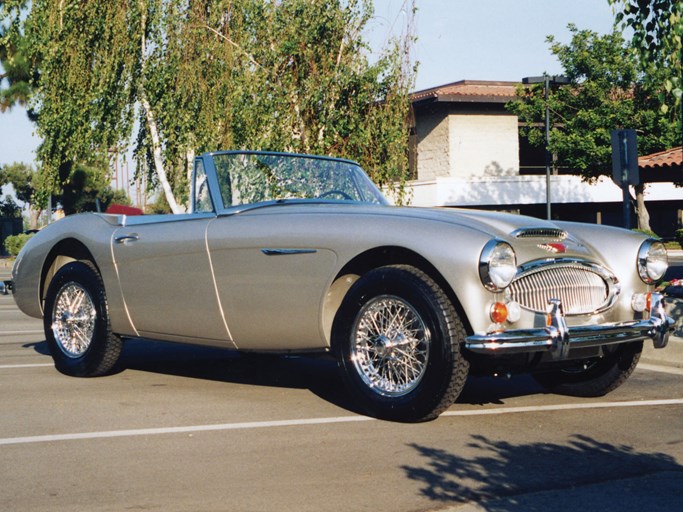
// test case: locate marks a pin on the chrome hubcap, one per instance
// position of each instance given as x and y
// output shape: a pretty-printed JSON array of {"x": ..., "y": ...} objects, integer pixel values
[
  {"x": 73, "y": 319},
  {"x": 390, "y": 348}
]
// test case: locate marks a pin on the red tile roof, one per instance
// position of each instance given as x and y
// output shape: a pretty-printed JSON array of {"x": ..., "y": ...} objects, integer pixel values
[
  {"x": 669, "y": 158},
  {"x": 469, "y": 91}
]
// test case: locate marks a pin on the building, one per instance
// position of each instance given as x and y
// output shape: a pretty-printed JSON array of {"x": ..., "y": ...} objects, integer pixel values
[{"x": 466, "y": 151}]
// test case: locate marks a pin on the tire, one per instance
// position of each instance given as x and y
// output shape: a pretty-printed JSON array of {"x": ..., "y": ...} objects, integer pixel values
[
  {"x": 594, "y": 377},
  {"x": 76, "y": 322},
  {"x": 423, "y": 372}
]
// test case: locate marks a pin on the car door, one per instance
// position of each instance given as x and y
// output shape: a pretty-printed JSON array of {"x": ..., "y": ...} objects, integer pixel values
[
  {"x": 272, "y": 276},
  {"x": 166, "y": 278}
]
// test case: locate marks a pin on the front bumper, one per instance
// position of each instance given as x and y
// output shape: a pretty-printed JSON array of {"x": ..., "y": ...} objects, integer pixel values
[
  {"x": 6, "y": 287},
  {"x": 558, "y": 339}
]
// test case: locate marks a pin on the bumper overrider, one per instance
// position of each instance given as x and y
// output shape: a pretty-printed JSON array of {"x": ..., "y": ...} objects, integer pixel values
[
  {"x": 6, "y": 287},
  {"x": 558, "y": 339}
]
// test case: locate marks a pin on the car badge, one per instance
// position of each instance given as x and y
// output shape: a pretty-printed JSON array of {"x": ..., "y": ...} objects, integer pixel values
[{"x": 555, "y": 248}]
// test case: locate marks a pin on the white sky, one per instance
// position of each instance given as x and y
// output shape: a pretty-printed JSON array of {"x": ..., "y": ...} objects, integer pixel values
[{"x": 457, "y": 40}]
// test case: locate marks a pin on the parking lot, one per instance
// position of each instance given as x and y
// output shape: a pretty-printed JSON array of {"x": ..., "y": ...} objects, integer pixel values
[{"x": 187, "y": 428}]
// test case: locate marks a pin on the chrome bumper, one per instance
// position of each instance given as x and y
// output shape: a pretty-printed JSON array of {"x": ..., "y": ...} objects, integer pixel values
[
  {"x": 6, "y": 287},
  {"x": 558, "y": 339}
]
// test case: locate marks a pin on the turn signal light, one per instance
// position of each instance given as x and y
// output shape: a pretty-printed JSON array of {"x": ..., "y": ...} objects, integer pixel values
[{"x": 499, "y": 312}]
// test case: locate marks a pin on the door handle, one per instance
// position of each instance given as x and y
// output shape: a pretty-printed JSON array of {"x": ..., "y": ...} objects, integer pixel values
[{"x": 133, "y": 237}]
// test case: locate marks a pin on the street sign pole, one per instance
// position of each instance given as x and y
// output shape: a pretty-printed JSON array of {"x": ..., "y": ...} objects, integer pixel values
[{"x": 625, "y": 167}]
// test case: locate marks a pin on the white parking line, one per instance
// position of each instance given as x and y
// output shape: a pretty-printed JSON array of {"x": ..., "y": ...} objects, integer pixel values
[
  {"x": 318, "y": 421},
  {"x": 15, "y": 333},
  {"x": 36, "y": 365}
]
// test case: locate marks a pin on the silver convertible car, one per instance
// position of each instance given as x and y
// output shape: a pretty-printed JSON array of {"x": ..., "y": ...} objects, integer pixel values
[{"x": 296, "y": 253}]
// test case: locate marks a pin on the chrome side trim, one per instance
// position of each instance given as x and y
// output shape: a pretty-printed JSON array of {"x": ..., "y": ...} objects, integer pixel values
[
  {"x": 558, "y": 339},
  {"x": 286, "y": 252}
]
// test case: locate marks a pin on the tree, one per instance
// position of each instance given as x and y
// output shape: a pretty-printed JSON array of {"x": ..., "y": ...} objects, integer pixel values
[
  {"x": 84, "y": 96},
  {"x": 26, "y": 182},
  {"x": 213, "y": 74},
  {"x": 17, "y": 72},
  {"x": 88, "y": 189},
  {"x": 606, "y": 91},
  {"x": 657, "y": 31}
]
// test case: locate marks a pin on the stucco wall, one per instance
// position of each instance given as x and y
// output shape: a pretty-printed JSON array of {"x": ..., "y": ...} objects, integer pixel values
[
  {"x": 483, "y": 145},
  {"x": 432, "y": 146}
]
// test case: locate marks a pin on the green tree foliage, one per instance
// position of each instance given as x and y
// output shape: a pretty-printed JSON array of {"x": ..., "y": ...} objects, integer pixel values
[
  {"x": 214, "y": 74},
  {"x": 88, "y": 189},
  {"x": 657, "y": 31},
  {"x": 87, "y": 57},
  {"x": 15, "y": 80},
  {"x": 607, "y": 91},
  {"x": 25, "y": 182}
]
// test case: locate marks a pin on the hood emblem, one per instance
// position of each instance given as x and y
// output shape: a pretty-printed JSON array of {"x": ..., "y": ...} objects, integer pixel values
[{"x": 555, "y": 248}]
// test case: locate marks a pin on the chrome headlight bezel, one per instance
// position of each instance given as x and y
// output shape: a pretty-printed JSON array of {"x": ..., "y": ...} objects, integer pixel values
[
  {"x": 652, "y": 261},
  {"x": 497, "y": 265}
]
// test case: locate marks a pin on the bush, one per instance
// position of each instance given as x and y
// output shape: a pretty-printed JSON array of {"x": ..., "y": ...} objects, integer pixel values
[
  {"x": 647, "y": 232},
  {"x": 679, "y": 236},
  {"x": 13, "y": 244}
]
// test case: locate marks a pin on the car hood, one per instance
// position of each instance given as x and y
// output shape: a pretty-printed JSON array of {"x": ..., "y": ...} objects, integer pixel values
[{"x": 496, "y": 224}]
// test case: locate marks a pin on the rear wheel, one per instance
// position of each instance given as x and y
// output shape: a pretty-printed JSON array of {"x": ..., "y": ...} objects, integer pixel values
[
  {"x": 76, "y": 322},
  {"x": 397, "y": 338},
  {"x": 594, "y": 377}
]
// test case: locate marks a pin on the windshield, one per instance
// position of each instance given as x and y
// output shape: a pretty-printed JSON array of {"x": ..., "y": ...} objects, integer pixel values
[{"x": 247, "y": 178}]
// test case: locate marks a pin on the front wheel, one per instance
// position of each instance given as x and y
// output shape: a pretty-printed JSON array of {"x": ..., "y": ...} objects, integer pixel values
[
  {"x": 76, "y": 322},
  {"x": 397, "y": 337},
  {"x": 594, "y": 377}
]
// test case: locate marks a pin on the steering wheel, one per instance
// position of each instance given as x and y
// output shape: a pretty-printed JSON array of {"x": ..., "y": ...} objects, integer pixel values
[{"x": 336, "y": 192}]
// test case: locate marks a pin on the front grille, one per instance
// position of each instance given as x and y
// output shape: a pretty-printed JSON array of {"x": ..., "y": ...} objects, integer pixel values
[{"x": 582, "y": 288}]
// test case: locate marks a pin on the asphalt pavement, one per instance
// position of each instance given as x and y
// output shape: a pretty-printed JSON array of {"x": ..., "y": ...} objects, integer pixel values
[{"x": 192, "y": 428}]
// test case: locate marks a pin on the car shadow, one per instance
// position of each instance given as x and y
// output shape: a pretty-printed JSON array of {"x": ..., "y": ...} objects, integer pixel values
[
  {"x": 39, "y": 347},
  {"x": 317, "y": 373}
]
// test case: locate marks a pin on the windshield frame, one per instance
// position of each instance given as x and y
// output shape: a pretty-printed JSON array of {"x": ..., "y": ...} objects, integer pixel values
[{"x": 361, "y": 182}]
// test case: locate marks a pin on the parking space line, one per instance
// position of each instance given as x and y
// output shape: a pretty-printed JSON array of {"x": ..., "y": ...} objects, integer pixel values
[
  {"x": 36, "y": 365},
  {"x": 318, "y": 421},
  {"x": 15, "y": 333}
]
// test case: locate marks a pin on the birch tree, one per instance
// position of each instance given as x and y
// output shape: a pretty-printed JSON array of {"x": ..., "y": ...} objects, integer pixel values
[{"x": 286, "y": 75}]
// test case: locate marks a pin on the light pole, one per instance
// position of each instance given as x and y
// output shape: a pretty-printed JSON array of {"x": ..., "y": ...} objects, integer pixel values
[{"x": 546, "y": 80}]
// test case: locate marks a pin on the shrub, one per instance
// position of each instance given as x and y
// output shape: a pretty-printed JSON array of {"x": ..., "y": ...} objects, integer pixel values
[
  {"x": 13, "y": 244},
  {"x": 679, "y": 236},
  {"x": 647, "y": 232}
]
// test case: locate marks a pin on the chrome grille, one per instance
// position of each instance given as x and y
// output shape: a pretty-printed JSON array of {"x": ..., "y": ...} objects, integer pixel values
[{"x": 582, "y": 288}]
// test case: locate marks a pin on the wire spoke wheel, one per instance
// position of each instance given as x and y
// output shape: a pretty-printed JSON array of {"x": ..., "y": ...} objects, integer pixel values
[
  {"x": 397, "y": 338},
  {"x": 391, "y": 348},
  {"x": 73, "y": 319},
  {"x": 76, "y": 322}
]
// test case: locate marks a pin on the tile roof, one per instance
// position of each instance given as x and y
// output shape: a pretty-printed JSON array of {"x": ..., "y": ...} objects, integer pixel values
[
  {"x": 478, "y": 91},
  {"x": 669, "y": 158}
]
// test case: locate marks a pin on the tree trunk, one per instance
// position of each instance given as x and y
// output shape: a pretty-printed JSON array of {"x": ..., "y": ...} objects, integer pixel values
[
  {"x": 641, "y": 209},
  {"x": 152, "y": 125},
  {"x": 156, "y": 154}
]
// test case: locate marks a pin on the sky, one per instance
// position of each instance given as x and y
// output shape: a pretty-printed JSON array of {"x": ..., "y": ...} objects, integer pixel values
[{"x": 456, "y": 40}]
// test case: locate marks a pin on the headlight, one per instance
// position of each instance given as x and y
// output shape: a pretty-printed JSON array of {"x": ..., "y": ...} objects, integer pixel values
[
  {"x": 652, "y": 261},
  {"x": 497, "y": 265}
]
